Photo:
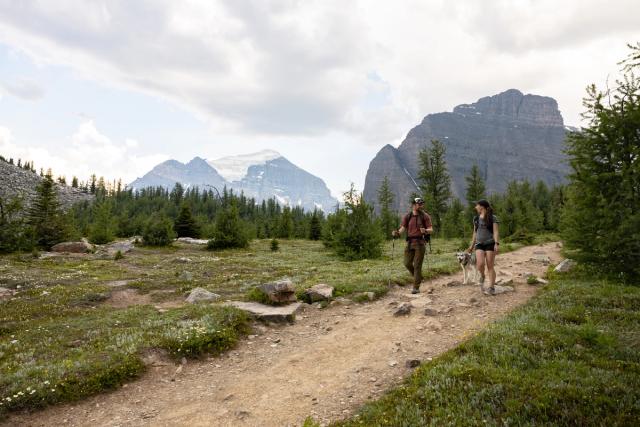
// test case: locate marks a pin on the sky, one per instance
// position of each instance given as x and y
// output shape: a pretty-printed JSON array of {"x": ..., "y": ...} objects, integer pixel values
[{"x": 114, "y": 87}]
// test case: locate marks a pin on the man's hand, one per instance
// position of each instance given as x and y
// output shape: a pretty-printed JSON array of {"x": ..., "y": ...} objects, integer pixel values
[{"x": 395, "y": 233}]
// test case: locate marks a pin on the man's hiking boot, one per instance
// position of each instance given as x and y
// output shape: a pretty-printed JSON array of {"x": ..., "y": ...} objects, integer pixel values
[
  {"x": 415, "y": 291},
  {"x": 488, "y": 291}
]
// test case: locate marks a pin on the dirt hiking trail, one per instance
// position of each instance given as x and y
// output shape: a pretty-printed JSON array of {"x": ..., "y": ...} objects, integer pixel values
[{"x": 326, "y": 365}]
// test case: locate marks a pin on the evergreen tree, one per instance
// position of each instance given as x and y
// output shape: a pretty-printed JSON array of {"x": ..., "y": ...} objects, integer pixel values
[
  {"x": 158, "y": 231},
  {"x": 230, "y": 232},
  {"x": 185, "y": 225},
  {"x": 358, "y": 238},
  {"x": 74, "y": 182},
  {"x": 102, "y": 229},
  {"x": 475, "y": 186},
  {"x": 435, "y": 181},
  {"x": 601, "y": 219},
  {"x": 285, "y": 225},
  {"x": 45, "y": 217},
  {"x": 92, "y": 186},
  {"x": 14, "y": 235},
  {"x": 387, "y": 219},
  {"x": 453, "y": 221},
  {"x": 315, "y": 227}
]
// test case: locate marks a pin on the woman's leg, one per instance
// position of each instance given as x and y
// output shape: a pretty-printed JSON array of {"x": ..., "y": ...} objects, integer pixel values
[
  {"x": 480, "y": 264},
  {"x": 490, "y": 257}
]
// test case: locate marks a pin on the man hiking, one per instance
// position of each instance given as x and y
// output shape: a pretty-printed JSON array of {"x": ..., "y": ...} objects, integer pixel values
[{"x": 418, "y": 226}]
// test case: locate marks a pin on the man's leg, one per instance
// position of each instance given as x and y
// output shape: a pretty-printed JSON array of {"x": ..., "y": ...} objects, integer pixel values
[
  {"x": 417, "y": 265},
  {"x": 408, "y": 258}
]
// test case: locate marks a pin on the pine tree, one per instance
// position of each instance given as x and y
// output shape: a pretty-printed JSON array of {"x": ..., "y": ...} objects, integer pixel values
[
  {"x": 158, "y": 231},
  {"x": 185, "y": 225},
  {"x": 358, "y": 237},
  {"x": 45, "y": 217},
  {"x": 230, "y": 232},
  {"x": 475, "y": 186},
  {"x": 601, "y": 219},
  {"x": 74, "y": 182},
  {"x": 315, "y": 227},
  {"x": 435, "y": 181},
  {"x": 285, "y": 225},
  {"x": 453, "y": 223},
  {"x": 388, "y": 220},
  {"x": 103, "y": 228},
  {"x": 92, "y": 186},
  {"x": 14, "y": 235}
]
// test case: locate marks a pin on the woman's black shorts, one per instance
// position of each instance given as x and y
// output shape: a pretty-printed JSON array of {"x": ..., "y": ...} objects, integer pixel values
[{"x": 485, "y": 246}]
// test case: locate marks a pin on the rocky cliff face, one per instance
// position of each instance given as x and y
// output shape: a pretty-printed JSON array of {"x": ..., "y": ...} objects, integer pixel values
[
  {"x": 17, "y": 182},
  {"x": 262, "y": 175},
  {"x": 509, "y": 136}
]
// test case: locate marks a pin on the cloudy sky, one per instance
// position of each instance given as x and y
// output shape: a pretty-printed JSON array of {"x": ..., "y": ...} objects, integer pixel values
[{"x": 114, "y": 87}]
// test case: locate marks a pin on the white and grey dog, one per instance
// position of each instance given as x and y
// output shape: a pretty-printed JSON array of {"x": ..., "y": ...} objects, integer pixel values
[{"x": 467, "y": 262}]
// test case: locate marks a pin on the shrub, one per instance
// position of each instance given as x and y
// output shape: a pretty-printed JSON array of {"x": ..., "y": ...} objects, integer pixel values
[
  {"x": 275, "y": 245},
  {"x": 118, "y": 256},
  {"x": 158, "y": 231},
  {"x": 102, "y": 229}
]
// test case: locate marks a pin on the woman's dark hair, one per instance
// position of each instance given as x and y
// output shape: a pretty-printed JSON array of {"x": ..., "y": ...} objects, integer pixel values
[{"x": 488, "y": 218}]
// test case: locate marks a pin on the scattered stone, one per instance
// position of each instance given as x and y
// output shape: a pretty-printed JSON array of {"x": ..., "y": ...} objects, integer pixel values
[
  {"x": 122, "y": 246},
  {"x": 543, "y": 259},
  {"x": 200, "y": 294},
  {"x": 370, "y": 295},
  {"x": 430, "y": 291},
  {"x": 182, "y": 260},
  {"x": 565, "y": 266},
  {"x": 403, "y": 309},
  {"x": 81, "y": 247},
  {"x": 430, "y": 311},
  {"x": 413, "y": 363},
  {"x": 454, "y": 283},
  {"x": 502, "y": 289},
  {"x": 393, "y": 363},
  {"x": 504, "y": 282},
  {"x": 187, "y": 276},
  {"x": 543, "y": 281},
  {"x": 319, "y": 292},
  {"x": 527, "y": 274},
  {"x": 463, "y": 305},
  {"x": 434, "y": 325},
  {"x": 268, "y": 313},
  {"x": 192, "y": 241},
  {"x": 281, "y": 291},
  {"x": 473, "y": 300},
  {"x": 5, "y": 293}
]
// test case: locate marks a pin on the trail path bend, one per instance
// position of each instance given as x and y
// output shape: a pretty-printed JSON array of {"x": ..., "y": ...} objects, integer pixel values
[{"x": 326, "y": 365}]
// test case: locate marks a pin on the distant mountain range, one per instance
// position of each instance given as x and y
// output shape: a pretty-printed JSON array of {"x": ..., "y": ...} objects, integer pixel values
[
  {"x": 262, "y": 175},
  {"x": 510, "y": 136}
]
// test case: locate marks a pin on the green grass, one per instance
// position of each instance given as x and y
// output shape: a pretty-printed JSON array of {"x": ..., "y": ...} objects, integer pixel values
[
  {"x": 571, "y": 356},
  {"x": 59, "y": 341}
]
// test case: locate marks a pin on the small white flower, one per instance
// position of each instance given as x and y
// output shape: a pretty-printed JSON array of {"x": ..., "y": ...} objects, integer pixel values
[
  {"x": 46, "y": 382},
  {"x": 32, "y": 391}
]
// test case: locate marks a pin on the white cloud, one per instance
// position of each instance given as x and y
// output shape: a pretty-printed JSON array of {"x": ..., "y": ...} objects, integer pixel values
[
  {"x": 86, "y": 152},
  {"x": 24, "y": 88},
  {"x": 291, "y": 68}
]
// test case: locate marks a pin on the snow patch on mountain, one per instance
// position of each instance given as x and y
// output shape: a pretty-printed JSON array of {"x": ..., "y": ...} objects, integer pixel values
[{"x": 234, "y": 168}]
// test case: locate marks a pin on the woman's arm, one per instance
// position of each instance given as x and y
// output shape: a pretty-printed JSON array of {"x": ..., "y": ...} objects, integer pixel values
[
  {"x": 473, "y": 240},
  {"x": 496, "y": 237}
]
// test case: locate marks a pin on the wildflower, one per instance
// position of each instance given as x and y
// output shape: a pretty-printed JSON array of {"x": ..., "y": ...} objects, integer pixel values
[{"x": 46, "y": 382}]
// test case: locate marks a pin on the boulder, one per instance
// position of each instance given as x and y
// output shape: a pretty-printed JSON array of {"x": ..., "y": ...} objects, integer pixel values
[
  {"x": 454, "y": 283},
  {"x": 123, "y": 246},
  {"x": 182, "y": 260},
  {"x": 413, "y": 363},
  {"x": 81, "y": 247},
  {"x": 320, "y": 292},
  {"x": 279, "y": 292},
  {"x": 565, "y": 266},
  {"x": 403, "y": 309},
  {"x": 192, "y": 241},
  {"x": 268, "y": 313},
  {"x": 543, "y": 259},
  {"x": 200, "y": 294},
  {"x": 5, "y": 293}
]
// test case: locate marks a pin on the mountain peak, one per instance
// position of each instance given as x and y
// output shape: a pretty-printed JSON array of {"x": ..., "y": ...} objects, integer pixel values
[{"x": 234, "y": 168}]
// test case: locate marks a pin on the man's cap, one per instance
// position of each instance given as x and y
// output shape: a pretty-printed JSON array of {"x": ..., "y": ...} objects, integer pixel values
[{"x": 418, "y": 201}]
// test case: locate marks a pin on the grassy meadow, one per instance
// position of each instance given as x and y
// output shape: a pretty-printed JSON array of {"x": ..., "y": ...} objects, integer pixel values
[{"x": 62, "y": 339}]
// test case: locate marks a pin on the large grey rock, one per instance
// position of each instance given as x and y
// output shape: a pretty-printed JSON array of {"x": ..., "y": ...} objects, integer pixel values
[
  {"x": 509, "y": 136},
  {"x": 319, "y": 292},
  {"x": 403, "y": 309},
  {"x": 502, "y": 289},
  {"x": 268, "y": 313},
  {"x": 565, "y": 266},
  {"x": 192, "y": 241},
  {"x": 5, "y": 293},
  {"x": 279, "y": 292},
  {"x": 200, "y": 294},
  {"x": 73, "y": 247},
  {"x": 122, "y": 246}
]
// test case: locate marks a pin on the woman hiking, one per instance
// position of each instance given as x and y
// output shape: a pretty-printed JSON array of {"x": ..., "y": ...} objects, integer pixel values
[{"x": 486, "y": 242}]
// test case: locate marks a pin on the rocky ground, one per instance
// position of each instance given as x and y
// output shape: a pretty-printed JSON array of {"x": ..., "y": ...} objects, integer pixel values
[{"x": 326, "y": 365}]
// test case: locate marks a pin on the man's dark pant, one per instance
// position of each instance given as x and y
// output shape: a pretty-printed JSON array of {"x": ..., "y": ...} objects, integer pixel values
[{"x": 413, "y": 257}]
